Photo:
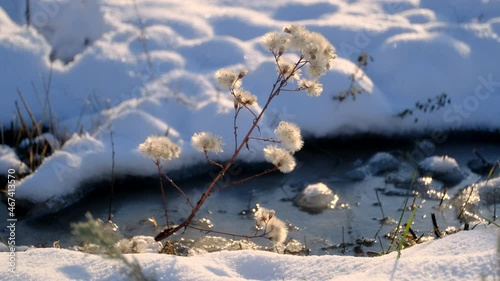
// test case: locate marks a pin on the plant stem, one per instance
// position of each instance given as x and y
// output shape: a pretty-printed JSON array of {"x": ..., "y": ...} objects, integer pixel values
[
  {"x": 179, "y": 189},
  {"x": 247, "y": 179},
  {"x": 157, "y": 162},
  {"x": 277, "y": 86},
  {"x": 110, "y": 216}
]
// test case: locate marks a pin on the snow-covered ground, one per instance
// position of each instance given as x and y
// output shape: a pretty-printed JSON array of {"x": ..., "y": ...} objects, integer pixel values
[
  {"x": 110, "y": 84},
  {"x": 468, "y": 255}
]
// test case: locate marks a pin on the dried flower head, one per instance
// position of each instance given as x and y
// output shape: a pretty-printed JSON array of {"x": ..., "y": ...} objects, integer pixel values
[
  {"x": 206, "y": 142},
  {"x": 274, "y": 228},
  {"x": 299, "y": 36},
  {"x": 262, "y": 216},
  {"x": 275, "y": 42},
  {"x": 227, "y": 79},
  {"x": 289, "y": 135},
  {"x": 280, "y": 158},
  {"x": 244, "y": 97},
  {"x": 314, "y": 48},
  {"x": 288, "y": 68},
  {"x": 159, "y": 147},
  {"x": 312, "y": 87}
]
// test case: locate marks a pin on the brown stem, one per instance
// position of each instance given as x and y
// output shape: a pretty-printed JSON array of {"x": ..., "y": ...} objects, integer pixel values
[
  {"x": 247, "y": 179},
  {"x": 179, "y": 189},
  {"x": 211, "y": 161},
  {"x": 207, "y": 231},
  {"x": 280, "y": 82},
  {"x": 236, "y": 112},
  {"x": 157, "y": 163}
]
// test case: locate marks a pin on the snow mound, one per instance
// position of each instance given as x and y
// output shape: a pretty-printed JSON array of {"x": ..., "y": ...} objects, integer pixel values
[
  {"x": 383, "y": 162},
  {"x": 9, "y": 160},
  {"x": 443, "y": 168},
  {"x": 57, "y": 22},
  {"x": 316, "y": 197},
  {"x": 489, "y": 191},
  {"x": 472, "y": 252}
]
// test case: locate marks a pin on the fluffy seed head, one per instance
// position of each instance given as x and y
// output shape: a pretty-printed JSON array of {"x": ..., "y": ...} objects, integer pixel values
[
  {"x": 206, "y": 142},
  {"x": 280, "y": 158},
  {"x": 275, "y": 42},
  {"x": 159, "y": 147},
  {"x": 287, "y": 68},
  {"x": 244, "y": 97},
  {"x": 227, "y": 79},
  {"x": 312, "y": 87},
  {"x": 289, "y": 135},
  {"x": 299, "y": 36},
  {"x": 274, "y": 228},
  {"x": 314, "y": 48}
]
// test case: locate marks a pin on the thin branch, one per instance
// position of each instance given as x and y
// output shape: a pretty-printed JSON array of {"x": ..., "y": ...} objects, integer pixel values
[
  {"x": 380, "y": 204},
  {"x": 157, "y": 163},
  {"x": 179, "y": 189},
  {"x": 23, "y": 125},
  {"x": 27, "y": 13},
  {"x": 265, "y": 139},
  {"x": 211, "y": 161},
  {"x": 236, "y": 112},
  {"x": 32, "y": 117},
  {"x": 444, "y": 195},
  {"x": 46, "y": 87},
  {"x": 466, "y": 202},
  {"x": 207, "y": 231},
  {"x": 143, "y": 38},
  {"x": 247, "y": 179},
  {"x": 110, "y": 215}
]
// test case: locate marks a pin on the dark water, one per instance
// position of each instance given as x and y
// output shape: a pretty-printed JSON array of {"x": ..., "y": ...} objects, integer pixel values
[{"x": 356, "y": 216}]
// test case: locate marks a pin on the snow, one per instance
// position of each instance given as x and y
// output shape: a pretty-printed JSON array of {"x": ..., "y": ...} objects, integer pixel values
[
  {"x": 316, "y": 197},
  {"x": 9, "y": 160},
  {"x": 468, "y": 255},
  {"x": 84, "y": 63},
  {"x": 443, "y": 168},
  {"x": 439, "y": 164}
]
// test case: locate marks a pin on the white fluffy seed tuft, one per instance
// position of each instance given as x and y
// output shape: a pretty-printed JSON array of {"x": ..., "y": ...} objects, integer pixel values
[
  {"x": 287, "y": 68},
  {"x": 206, "y": 142},
  {"x": 244, "y": 97},
  {"x": 227, "y": 79},
  {"x": 274, "y": 228},
  {"x": 275, "y": 42},
  {"x": 160, "y": 147},
  {"x": 289, "y": 135},
  {"x": 280, "y": 158},
  {"x": 312, "y": 87}
]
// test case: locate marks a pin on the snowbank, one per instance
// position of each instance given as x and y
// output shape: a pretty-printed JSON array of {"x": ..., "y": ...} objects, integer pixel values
[
  {"x": 467, "y": 255},
  {"x": 138, "y": 72},
  {"x": 9, "y": 160}
]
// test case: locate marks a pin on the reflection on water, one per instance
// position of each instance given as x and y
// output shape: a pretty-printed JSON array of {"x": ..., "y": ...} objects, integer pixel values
[{"x": 363, "y": 211}]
